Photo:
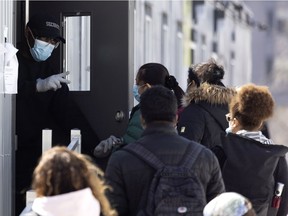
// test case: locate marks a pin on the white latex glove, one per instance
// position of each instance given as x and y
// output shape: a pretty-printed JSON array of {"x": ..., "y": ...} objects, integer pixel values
[
  {"x": 52, "y": 83},
  {"x": 106, "y": 145}
]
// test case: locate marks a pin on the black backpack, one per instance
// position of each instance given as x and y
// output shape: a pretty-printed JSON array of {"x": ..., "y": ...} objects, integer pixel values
[{"x": 174, "y": 190}]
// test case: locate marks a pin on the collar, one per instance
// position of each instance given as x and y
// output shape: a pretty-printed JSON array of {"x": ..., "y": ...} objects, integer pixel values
[
  {"x": 159, "y": 127},
  {"x": 213, "y": 94}
]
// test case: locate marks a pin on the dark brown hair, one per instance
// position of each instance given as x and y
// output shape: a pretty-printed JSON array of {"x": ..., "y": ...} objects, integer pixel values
[{"x": 209, "y": 72}]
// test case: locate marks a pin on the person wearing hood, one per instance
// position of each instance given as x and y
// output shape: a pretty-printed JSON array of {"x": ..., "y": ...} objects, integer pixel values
[
  {"x": 68, "y": 183},
  {"x": 253, "y": 165},
  {"x": 205, "y": 105}
]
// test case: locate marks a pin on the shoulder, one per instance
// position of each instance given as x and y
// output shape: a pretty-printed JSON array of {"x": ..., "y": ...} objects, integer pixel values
[
  {"x": 121, "y": 157},
  {"x": 205, "y": 154},
  {"x": 193, "y": 109}
]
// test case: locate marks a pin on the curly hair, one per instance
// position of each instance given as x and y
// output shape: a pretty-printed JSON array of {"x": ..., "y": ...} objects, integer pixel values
[
  {"x": 210, "y": 72},
  {"x": 61, "y": 171},
  {"x": 252, "y": 105}
]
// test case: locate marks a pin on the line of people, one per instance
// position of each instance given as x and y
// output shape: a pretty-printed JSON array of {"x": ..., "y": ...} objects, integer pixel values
[
  {"x": 244, "y": 181},
  {"x": 184, "y": 138},
  {"x": 228, "y": 121}
]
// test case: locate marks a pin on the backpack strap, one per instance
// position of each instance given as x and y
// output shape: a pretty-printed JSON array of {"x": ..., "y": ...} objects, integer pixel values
[
  {"x": 141, "y": 152},
  {"x": 192, "y": 152}
]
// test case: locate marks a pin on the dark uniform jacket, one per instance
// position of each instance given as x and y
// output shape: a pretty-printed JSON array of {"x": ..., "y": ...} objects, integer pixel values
[
  {"x": 36, "y": 111},
  {"x": 253, "y": 169},
  {"x": 52, "y": 109},
  {"x": 130, "y": 177},
  {"x": 203, "y": 116}
]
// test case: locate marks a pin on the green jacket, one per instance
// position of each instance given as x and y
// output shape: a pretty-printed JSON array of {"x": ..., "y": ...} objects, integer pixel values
[{"x": 134, "y": 128}]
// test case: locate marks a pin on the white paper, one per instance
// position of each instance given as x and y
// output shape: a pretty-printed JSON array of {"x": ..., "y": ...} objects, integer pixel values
[{"x": 11, "y": 65}]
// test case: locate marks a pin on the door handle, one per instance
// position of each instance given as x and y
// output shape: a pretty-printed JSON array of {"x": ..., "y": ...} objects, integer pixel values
[{"x": 119, "y": 116}]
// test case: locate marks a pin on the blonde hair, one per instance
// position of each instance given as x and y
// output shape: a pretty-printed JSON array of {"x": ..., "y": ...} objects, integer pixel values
[
  {"x": 61, "y": 171},
  {"x": 252, "y": 105}
]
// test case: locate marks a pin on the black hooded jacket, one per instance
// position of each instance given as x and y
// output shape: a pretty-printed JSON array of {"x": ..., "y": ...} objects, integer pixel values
[
  {"x": 54, "y": 110},
  {"x": 253, "y": 170},
  {"x": 203, "y": 116}
]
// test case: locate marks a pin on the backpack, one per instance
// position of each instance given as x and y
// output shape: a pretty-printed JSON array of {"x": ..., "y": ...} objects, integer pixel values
[{"x": 174, "y": 190}]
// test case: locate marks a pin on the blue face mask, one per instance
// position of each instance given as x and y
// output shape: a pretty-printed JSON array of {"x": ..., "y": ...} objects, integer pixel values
[
  {"x": 41, "y": 50},
  {"x": 136, "y": 93}
]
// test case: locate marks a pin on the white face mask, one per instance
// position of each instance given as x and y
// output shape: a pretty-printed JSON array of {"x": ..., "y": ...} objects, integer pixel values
[{"x": 41, "y": 50}]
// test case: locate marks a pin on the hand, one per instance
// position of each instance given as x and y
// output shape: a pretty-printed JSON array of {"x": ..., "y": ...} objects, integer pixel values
[
  {"x": 105, "y": 146},
  {"x": 52, "y": 82}
]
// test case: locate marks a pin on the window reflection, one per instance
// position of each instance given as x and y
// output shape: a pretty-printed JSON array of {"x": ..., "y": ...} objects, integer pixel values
[{"x": 77, "y": 51}]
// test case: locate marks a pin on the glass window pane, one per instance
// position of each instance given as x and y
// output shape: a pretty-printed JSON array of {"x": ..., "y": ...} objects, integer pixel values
[{"x": 77, "y": 31}]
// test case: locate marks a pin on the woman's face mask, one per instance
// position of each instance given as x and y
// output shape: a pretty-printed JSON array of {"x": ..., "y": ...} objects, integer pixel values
[
  {"x": 41, "y": 50},
  {"x": 136, "y": 93}
]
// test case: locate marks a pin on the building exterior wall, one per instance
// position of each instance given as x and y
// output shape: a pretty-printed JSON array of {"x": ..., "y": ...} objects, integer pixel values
[
  {"x": 227, "y": 39},
  {"x": 270, "y": 60},
  {"x": 158, "y": 34}
]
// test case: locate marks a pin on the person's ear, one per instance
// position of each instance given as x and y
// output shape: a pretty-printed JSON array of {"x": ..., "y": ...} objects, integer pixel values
[
  {"x": 146, "y": 86},
  {"x": 235, "y": 124}
]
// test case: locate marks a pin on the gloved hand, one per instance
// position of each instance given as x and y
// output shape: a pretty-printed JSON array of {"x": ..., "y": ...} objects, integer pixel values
[
  {"x": 105, "y": 146},
  {"x": 52, "y": 82}
]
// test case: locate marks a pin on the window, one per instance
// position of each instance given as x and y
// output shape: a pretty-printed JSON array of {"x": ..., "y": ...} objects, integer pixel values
[
  {"x": 164, "y": 39},
  {"x": 193, "y": 35},
  {"x": 214, "y": 47},
  {"x": 77, "y": 51},
  {"x": 178, "y": 49},
  {"x": 203, "y": 47},
  {"x": 148, "y": 33}
]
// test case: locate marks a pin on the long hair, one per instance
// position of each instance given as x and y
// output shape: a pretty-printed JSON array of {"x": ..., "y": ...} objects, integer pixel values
[
  {"x": 157, "y": 74},
  {"x": 61, "y": 171}
]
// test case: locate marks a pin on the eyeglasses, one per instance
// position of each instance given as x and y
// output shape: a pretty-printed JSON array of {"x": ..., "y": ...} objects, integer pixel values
[{"x": 228, "y": 117}]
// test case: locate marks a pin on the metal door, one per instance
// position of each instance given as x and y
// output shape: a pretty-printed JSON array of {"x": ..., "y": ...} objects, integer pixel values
[{"x": 110, "y": 77}]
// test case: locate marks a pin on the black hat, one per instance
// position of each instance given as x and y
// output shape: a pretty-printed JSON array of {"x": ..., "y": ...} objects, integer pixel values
[{"x": 44, "y": 25}]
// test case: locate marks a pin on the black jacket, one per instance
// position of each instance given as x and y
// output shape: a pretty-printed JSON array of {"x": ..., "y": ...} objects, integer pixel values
[
  {"x": 253, "y": 169},
  {"x": 54, "y": 110},
  {"x": 203, "y": 117},
  {"x": 130, "y": 177}
]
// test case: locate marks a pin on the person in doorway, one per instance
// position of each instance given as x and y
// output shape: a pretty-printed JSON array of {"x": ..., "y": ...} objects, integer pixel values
[
  {"x": 148, "y": 75},
  {"x": 68, "y": 183},
  {"x": 130, "y": 176},
  {"x": 253, "y": 165},
  {"x": 43, "y": 101}
]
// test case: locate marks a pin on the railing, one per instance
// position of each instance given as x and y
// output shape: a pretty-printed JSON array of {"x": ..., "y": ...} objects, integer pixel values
[{"x": 75, "y": 145}]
